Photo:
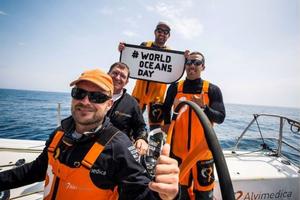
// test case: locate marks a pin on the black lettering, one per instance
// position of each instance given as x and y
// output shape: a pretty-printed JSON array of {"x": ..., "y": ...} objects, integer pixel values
[
  {"x": 150, "y": 73},
  {"x": 148, "y": 65},
  {"x": 169, "y": 68},
  {"x": 145, "y": 73},
  {"x": 157, "y": 66},
  {"x": 164, "y": 67},
  {"x": 161, "y": 58},
  {"x": 145, "y": 56},
  {"x": 156, "y": 57},
  {"x": 168, "y": 59},
  {"x": 151, "y": 65},
  {"x": 151, "y": 56},
  {"x": 141, "y": 64},
  {"x": 140, "y": 72}
]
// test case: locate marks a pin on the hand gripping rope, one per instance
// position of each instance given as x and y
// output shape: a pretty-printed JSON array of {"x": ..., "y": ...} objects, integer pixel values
[{"x": 214, "y": 146}]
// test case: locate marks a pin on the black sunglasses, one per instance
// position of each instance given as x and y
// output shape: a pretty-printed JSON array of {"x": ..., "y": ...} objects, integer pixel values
[
  {"x": 94, "y": 97},
  {"x": 159, "y": 30},
  {"x": 195, "y": 62}
]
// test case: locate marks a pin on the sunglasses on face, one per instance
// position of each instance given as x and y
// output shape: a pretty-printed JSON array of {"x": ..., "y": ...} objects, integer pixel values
[
  {"x": 94, "y": 97},
  {"x": 159, "y": 30},
  {"x": 195, "y": 62}
]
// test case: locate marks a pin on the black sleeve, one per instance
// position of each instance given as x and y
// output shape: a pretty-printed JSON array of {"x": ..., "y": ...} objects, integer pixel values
[
  {"x": 168, "y": 103},
  {"x": 137, "y": 122},
  {"x": 216, "y": 110},
  {"x": 131, "y": 176},
  {"x": 28, "y": 173}
]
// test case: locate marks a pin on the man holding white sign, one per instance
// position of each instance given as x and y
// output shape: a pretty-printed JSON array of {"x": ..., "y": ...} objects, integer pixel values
[{"x": 148, "y": 93}]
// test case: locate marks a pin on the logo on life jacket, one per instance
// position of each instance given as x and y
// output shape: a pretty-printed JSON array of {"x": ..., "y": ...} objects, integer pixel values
[{"x": 156, "y": 112}]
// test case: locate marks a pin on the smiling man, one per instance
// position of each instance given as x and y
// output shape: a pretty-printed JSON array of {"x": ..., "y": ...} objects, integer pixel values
[
  {"x": 151, "y": 94},
  {"x": 88, "y": 158},
  {"x": 188, "y": 131},
  {"x": 125, "y": 113}
]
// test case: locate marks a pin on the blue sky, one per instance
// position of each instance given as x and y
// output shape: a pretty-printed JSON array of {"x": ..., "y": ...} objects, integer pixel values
[{"x": 252, "y": 47}]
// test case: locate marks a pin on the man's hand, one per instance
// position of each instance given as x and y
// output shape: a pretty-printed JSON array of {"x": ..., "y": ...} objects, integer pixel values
[
  {"x": 141, "y": 146},
  {"x": 176, "y": 102},
  {"x": 121, "y": 46},
  {"x": 199, "y": 99},
  {"x": 186, "y": 53},
  {"x": 166, "y": 175}
]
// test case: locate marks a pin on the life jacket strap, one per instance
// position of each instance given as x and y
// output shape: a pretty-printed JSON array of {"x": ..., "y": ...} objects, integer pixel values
[
  {"x": 55, "y": 141},
  {"x": 98, "y": 147}
]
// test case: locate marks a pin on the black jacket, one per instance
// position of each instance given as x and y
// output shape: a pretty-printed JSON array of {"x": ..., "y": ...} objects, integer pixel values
[
  {"x": 216, "y": 109},
  {"x": 117, "y": 160},
  {"x": 126, "y": 115}
]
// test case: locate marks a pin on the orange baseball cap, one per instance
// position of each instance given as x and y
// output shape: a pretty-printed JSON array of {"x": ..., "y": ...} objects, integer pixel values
[{"x": 98, "y": 77}]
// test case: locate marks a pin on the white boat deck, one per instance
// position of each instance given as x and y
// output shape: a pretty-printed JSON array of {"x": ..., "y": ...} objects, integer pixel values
[
  {"x": 254, "y": 175},
  {"x": 11, "y": 151},
  {"x": 245, "y": 166},
  {"x": 259, "y": 176}
]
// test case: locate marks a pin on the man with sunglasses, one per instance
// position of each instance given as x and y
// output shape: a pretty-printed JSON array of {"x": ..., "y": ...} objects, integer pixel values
[
  {"x": 125, "y": 113},
  {"x": 188, "y": 132},
  {"x": 88, "y": 158},
  {"x": 148, "y": 93}
]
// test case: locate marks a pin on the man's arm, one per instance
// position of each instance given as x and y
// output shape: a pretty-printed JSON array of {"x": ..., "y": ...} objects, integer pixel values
[
  {"x": 26, "y": 174},
  {"x": 216, "y": 110},
  {"x": 138, "y": 126},
  {"x": 167, "y": 107}
]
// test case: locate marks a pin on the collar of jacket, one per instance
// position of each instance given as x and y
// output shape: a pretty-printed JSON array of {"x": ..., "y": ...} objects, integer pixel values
[{"x": 68, "y": 127}]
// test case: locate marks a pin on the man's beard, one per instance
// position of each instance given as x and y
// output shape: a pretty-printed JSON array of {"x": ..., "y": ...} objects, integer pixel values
[{"x": 85, "y": 122}]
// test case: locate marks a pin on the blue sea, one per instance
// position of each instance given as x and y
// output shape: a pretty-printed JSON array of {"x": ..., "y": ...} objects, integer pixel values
[{"x": 34, "y": 115}]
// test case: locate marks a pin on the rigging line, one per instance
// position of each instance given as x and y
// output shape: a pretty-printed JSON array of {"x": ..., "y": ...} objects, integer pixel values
[
  {"x": 259, "y": 129},
  {"x": 245, "y": 153}
]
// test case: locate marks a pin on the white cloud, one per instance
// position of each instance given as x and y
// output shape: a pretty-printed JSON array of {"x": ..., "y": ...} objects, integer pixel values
[
  {"x": 176, "y": 14},
  {"x": 132, "y": 21},
  {"x": 129, "y": 33},
  {"x": 2, "y": 12}
]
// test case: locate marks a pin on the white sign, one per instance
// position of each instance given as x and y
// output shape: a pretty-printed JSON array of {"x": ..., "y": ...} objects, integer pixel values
[{"x": 160, "y": 65}]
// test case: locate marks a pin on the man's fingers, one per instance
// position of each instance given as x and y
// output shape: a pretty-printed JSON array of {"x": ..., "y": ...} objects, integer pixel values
[
  {"x": 165, "y": 150},
  {"x": 166, "y": 191},
  {"x": 141, "y": 146}
]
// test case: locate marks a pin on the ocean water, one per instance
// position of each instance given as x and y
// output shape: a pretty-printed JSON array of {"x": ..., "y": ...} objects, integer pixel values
[{"x": 34, "y": 115}]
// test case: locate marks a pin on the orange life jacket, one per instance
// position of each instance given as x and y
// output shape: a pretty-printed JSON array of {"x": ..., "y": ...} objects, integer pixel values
[
  {"x": 187, "y": 134},
  {"x": 148, "y": 91},
  {"x": 74, "y": 183}
]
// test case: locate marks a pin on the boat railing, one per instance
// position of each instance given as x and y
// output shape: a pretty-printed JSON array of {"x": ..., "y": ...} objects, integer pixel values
[{"x": 283, "y": 121}]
